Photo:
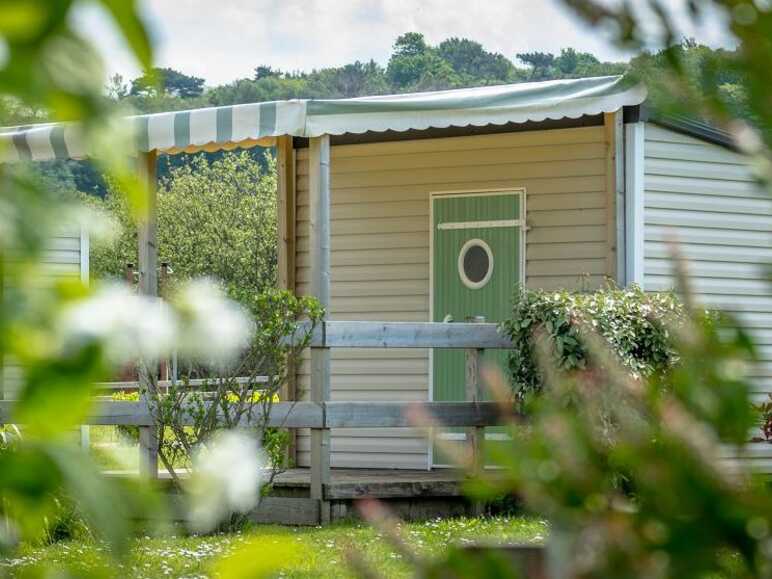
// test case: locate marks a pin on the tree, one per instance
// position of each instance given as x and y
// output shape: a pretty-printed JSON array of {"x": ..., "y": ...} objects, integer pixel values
[
  {"x": 215, "y": 219},
  {"x": 416, "y": 66},
  {"x": 169, "y": 81},
  {"x": 700, "y": 92},
  {"x": 541, "y": 63},
  {"x": 470, "y": 59},
  {"x": 410, "y": 44},
  {"x": 264, "y": 71},
  {"x": 117, "y": 88},
  {"x": 351, "y": 80}
]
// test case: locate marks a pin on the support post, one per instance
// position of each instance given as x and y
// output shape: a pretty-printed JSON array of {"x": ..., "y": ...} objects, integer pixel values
[
  {"x": 285, "y": 165},
  {"x": 319, "y": 224},
  {"x": 634, "y": 205},
  {"x": 148, "y": 229},
  {"x": 285, "y": 219},
  {"x": 148, "y": 285},
  {"x": 148, "y": 452},
  {"x": 615, "y": 197},
  {"x": 475, "y": 435}
]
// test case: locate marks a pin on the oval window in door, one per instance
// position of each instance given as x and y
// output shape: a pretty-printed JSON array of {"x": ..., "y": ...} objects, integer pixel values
[{"x": 475, "y": 264}]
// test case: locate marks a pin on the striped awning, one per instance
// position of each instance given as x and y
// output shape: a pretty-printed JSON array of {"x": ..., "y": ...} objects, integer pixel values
[{"x": 258, "y": 124}]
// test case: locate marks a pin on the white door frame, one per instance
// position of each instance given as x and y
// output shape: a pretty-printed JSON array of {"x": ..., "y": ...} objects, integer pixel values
[{"x": 520, "y": 222}]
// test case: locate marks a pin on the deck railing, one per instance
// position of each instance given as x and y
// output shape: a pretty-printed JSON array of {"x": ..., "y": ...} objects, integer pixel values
[{"x": 321, "y": 416}]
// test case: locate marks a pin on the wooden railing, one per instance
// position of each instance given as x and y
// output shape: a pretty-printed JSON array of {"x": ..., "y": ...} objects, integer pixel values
[{"x": 322, "y": 415}]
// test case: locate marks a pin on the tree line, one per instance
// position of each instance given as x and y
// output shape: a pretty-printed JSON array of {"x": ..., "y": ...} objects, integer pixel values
[{"x": 413, "y": 66}]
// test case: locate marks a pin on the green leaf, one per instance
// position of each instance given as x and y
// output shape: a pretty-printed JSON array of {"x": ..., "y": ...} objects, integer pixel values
[
  {"x": 56, "y": 395},
  {"x": 99, "y": 499},
  {"x": 126, "y": 16}
]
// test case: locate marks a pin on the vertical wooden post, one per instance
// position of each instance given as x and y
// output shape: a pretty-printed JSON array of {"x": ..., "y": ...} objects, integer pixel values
[
  {"x": 285, "y": 206},
  {"x": 615, "y": 196},
  {"x": 319, "y": 223},
  {"x": 475, "y": 435},
  {"x": 148, "y": 452},
  {"x": 163, "y": 278},
  {"x": 130, "y": 274},
  {"x": 148, "y": 229},
  {"x": 285, "y": 165},
  {"x": 148, "y": 285}
]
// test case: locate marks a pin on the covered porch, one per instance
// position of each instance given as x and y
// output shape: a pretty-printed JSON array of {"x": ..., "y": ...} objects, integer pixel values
[{"x": 314, "y": 127}]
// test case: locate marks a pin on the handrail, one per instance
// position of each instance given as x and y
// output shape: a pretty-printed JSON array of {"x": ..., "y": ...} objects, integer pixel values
[
  {"x": 194, "y": 382},
  {"x": 461, "y": 335},
  {"x": 321, "y": 414}
]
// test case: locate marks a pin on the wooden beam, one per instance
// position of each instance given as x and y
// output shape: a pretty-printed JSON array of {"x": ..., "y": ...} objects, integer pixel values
[
  {"x": 615, "y": 199},
  {"x": 634, "y": 206},
  {"x": 286, "y": 511},
  {"x": 147, "y": 237},
  {"x": 148, "y": 452},
  {"x": 147, "y": 240},
  {"x": 398, "y": 415},
  {"x": 620, "y": 199},
  {"x": 475, "y": 435},
  {"x": 335, "y": 334},
  {"x": 319, "y": 415},
  {"x": 285, "y": 220},
  {"x": 285, "y": 167},
  {"x": 319, "y": 224}
]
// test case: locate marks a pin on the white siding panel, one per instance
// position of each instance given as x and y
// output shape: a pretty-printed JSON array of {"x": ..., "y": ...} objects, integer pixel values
[
  {"x": 704, "y": 197},
  {"x": 61, "y": 259},
  {"x": 380, "y": 251}
]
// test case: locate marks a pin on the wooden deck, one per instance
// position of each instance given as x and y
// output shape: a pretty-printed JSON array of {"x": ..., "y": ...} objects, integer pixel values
[
  {"x": 347, "y": 484},
  {"x": 411, "y": 495}
]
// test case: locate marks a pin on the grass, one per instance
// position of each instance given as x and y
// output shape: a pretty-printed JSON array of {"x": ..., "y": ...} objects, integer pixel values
[{"x": 321, "y": 549}]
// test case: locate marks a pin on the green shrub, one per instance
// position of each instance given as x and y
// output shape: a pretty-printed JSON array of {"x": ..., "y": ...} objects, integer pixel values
[
  {"x": 64, "y": 523},
  {"x": 630, "y": 320}
]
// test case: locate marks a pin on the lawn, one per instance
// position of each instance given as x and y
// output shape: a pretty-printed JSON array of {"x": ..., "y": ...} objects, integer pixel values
[{"x": 321, "y": 549}]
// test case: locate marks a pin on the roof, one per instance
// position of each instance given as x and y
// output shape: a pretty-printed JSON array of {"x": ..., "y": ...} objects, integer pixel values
[
  {"x": 248, "y": 125},
  {"x": 696, "y": 128}
]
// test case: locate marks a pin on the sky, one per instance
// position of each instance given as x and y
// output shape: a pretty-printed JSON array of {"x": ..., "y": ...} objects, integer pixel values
[{"x": 222, "y": 40}]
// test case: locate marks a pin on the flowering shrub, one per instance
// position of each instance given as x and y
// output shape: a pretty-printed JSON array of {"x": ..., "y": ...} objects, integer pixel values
[
  {"x": 239, "y": 391},
  {"x": 630, "y": 320}
]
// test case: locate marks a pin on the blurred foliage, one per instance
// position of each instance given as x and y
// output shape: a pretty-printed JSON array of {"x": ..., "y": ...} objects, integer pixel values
[
  {"x": 259, "y": 557},
  {"x": 682, "y": 507},
  {"x": 717, "y": 85},
  {"x": 48, "y": 67},
  {"x": 765, "y": 411},
  {"x": 215, "y": 219},
  {"x": 635, "y": 325}
]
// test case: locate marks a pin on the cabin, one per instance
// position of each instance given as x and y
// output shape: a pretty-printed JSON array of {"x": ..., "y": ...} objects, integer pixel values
[{"x": 430, "y": 207}]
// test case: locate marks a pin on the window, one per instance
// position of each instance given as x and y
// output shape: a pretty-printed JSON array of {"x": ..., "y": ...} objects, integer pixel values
[{"x": 475, "y": 264}]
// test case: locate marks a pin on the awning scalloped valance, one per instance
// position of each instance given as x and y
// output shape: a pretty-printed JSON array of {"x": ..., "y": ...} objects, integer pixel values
[{"x": 258, "y": 124}]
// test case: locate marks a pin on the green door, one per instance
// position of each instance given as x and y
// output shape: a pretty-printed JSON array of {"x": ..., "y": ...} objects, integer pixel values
[{"x": 476, "y": 262}]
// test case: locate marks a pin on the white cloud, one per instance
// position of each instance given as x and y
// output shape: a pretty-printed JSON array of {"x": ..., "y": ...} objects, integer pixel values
[{"x": 225, "y": 40}]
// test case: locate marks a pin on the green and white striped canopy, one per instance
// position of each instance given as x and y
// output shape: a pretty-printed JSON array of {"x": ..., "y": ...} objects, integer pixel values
[{"x": 254, "y": 124}]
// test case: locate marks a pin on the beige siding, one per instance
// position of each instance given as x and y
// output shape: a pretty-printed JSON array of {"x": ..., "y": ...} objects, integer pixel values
[
  {"x": 704, "y": 196},
  {"x": 380, "y": 250},
  {"x": 62, "y": 258}
]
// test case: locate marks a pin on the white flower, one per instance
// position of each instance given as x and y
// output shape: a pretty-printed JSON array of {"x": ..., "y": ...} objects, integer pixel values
[
  {"x": 129, "y": 326},
  {"x": 226, "y": 478},
  {"x": 216, "y": 328}
]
